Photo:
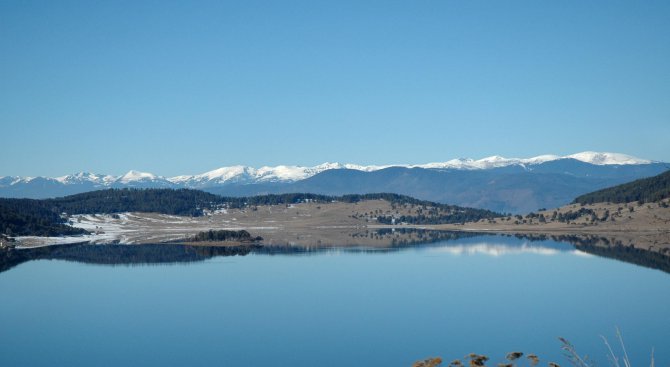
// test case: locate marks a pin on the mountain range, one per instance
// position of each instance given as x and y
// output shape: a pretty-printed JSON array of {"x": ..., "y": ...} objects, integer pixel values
[{"x": 503, "y": 184}]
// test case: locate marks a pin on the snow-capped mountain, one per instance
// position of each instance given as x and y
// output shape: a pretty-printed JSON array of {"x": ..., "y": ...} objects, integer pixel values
[
  {"x": 136, "y": 176},
  {"x": 283, "y": 173},
  {"x": 607, "y": 158},
  {"x": 81, "y": 177},
  {"x": 245, "y": 174},
  {"x": 497, "y": 183},
  {"x": 130, "y": 179},
  {"x": 141, "y": 180},
  {"x": 249, "y": 175},
  {"x": 496, "y": 161}
]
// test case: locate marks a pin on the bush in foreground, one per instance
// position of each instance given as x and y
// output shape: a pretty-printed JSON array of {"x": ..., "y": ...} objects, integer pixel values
[{"x": 514, "y": 359}]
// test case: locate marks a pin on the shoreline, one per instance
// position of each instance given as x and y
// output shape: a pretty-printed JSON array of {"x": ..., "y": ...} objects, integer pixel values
[
  {"x": 351, "y": 224},
  {"x": 650, "y": 239}
]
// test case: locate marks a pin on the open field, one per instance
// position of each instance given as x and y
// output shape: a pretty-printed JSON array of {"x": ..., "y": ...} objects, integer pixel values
[
  {"x": 644, "y": 226},
  {"x": 300, "y": 224},
  {"x": 344, "y": 224}
]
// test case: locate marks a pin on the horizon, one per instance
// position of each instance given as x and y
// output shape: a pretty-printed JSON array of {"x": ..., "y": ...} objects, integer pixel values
[
  {"x": 173, "y": 88},
  {"x": 542, "y": 158}
]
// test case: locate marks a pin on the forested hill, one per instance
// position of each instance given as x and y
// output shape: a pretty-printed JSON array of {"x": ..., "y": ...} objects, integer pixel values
[
  {"x": 27, "y": 217},
  {"x": 644, "y": 190},
  {"x": 167, "y": 201},
  {"x": 48, "y": 217},
  {"x": 20, "y": 217}
]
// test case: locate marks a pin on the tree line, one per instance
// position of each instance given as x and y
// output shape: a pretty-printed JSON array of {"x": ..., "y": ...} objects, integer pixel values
[
  {"x": 650, "y": 189},
  {"x": 27, "y": 217},
  {"x": 225, "y": 235},
  {"x": 49, "y": 217},
  {"x": 461, "y": 215}
]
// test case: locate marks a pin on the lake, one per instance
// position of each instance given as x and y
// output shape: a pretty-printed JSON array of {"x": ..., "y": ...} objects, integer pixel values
[{"x": 170, "y": 305}]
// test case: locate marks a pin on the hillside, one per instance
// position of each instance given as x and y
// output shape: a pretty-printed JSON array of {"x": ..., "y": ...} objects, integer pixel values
[
  {"x": 513, "y": 189},
  {"x": 23, "y": 217},
  {"x": 310, "y": 223},
  {"x": 650, "y": 189},
  {"x": 159, "y": 215},
  {"x": 48, "y": 217},
  {"x": 166, "y": 201},
  {"x": 635, "y": 215}
]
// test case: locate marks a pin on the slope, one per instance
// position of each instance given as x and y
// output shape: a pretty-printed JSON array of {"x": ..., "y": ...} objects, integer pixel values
[{"x": 650, "y": 189}]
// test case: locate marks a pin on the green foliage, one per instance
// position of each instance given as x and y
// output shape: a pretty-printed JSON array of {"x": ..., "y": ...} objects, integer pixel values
[
  {"x": 225, "y": 235},
  {"x": 167, "y": 201},
  {"x": 650, "y": 189},
  {"x": 573, "y": 215},
  {"x": 24, "y": 217},
  {"x": 295, "y": 198},
  {"x": 460, "y": 215}
]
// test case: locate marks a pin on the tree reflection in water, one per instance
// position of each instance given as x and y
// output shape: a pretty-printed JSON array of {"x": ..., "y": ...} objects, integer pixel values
[{"x": 390, "y": 241}]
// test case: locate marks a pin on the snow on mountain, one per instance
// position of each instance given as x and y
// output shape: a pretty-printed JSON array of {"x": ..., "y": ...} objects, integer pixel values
[
  {"x": 15, "y": 180},
  {"x": 460, "y": 163},
  {"x": 82, "y": 177},
  {"x": 284, "y": 173},
  {"x": 244, "y": 174},
  {"x": 607, "y": 158},
  {"x": 9, "y": 180},
  {"x": 541, "y": 159},
  {"x": 287, "y": 173},
  {"x": 217, "y": 176},
  {"x": 134, "y": 176},
  {"x": 139, "y": 179},
  {"x": 498, "y": 161},
  {"x": 495, "y": 161},
  {"x": 364, "y": 168}
]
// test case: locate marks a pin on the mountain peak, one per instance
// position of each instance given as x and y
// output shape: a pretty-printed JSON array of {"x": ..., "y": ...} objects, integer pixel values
[
  {"x": 606, "y": 158},
  {"x": 84, "y": 176},
  {"x": 134, "y": 175},
  {"x": 240, "y": 174}
]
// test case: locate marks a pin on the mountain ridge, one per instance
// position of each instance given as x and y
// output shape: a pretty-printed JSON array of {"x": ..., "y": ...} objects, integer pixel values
[
  {"x": 495, "y": 183},
  {"x": 288, "y": 173}
]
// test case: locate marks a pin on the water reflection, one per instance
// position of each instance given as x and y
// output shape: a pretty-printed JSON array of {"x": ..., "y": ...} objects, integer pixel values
[
  {"x": 386, "y": 240},
  {"x": 119, "y": 254}
]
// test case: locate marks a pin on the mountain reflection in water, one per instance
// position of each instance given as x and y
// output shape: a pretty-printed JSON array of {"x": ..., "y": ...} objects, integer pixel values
[{"x": 457, "y": 243}]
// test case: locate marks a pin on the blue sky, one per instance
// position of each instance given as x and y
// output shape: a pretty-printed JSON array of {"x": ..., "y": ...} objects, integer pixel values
[{"x": 184, "y": 87}]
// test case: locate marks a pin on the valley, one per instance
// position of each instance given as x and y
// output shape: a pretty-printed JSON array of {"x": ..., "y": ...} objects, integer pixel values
[
  {"x": 645, "y": 226},
  {"x": 305, "y": 224},
  {"x": 606, "y": 217}
]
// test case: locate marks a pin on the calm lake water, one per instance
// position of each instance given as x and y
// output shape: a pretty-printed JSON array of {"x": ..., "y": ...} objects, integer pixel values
[{"x": 336, "y": 307}]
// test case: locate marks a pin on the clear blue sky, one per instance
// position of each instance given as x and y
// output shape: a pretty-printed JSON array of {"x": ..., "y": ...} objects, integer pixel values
[{"x": 184, "y": 87}]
